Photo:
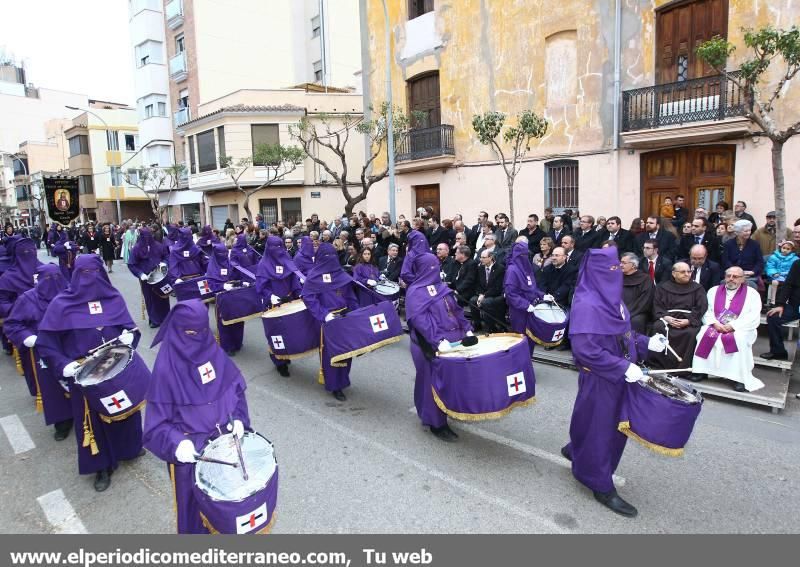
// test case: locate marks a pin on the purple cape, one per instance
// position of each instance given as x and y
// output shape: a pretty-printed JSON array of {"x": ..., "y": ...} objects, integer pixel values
[
  {"x": 419, "y": 296},
  {"x": 519, "y": 272},
  {"x": 363, "y": 272},
  {"x": 5, "y": 258},
  {"x": 184, "y": 244},
  {"x": 219, "y": 267},
  {"x": 597, "y": 304},
  {"x": 147, "y": 253},
  {"x": 242, "y": 254},
  {"x": 187, "y": 344},
  {"x": 326, "y": 274},
  {"x": 275, "y": 254},
  {"x": 76, "y": 307},
  {"x": 19, "y": 277},
  {"x": 206, "y": 238},
  {"x": 304, "y": 259},
  {"x": 417, "y": 245}
]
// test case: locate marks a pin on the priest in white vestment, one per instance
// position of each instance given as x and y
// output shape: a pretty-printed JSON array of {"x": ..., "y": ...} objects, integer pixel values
[{"x": 730, "y": 324}]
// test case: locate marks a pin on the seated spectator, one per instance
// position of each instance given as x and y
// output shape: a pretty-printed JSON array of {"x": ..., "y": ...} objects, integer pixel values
[
  {"x": 637, "y": 292},
  {"x": 466, "y": 275},
  {"x": 626, "y": 242},
  {"x": 706, "y": 272},
  {"x": 744, "y": 252},
  {"x": 544, "y": 257},
  {"x": 446, "y": 263},
  {"x": 391, "y": 264},
  {"x": 489, "y": 305},
  {"x": 785, "y": 311},
  {"x": 655, "y": 265},
  {"x": 558, "y": 278},
  {"x": 766, "y": 236},
  {"x": 778, "y": 266}
]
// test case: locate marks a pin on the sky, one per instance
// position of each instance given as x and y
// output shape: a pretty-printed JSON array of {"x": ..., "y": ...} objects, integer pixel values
[{"x": 81, "y": 46}]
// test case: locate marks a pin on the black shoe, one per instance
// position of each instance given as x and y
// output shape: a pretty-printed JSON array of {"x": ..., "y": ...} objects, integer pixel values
[
  {"x": 283, "y": 370},
  {"x": 339, "y": 395},
  {"x": 62, "y": 430},
  {"x": 442, "y": 434},
  {"x": 697, "y": 377},
  {"x": 775, "y": 356},
  {"x": 566, "y": 454},
  {"x": 453, "y": 435},
  {"x": 615, "y": 503},
  {"x": 102, "y": 480},
  {"x": 230, "y": 353},
  {"x": 564, "y": 346},
  {"x": 739, "y": 387}
]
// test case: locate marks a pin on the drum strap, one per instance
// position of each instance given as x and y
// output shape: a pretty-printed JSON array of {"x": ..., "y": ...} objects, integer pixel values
[
  {"x": 39, "y": 406},
  {"x": 88, "y": 429}
]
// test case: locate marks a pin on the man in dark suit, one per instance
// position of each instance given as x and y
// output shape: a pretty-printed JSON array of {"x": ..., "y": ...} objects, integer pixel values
[
  {"x": 446, "y": 263},
  {"x": 436, "y": 233},
  {"x": 785, "y": 311},
  {"x": 666, "y": 241},
  {"x": 391, "y": 264},
  {"x": 558, "y": 278},
  {"x": 706, "y": 272},
  {"x": 558, "y": 232},
  {"x": 624, "y": 239},
  {"x": 483, "y": 218},
  {"x": 491, "y": 312},
  {"x": 573, "y": 256},
  {"x": 586, "y": 236},
  {"x": 465, "y": 275},
  {"x": 655, "y": 264},
  {"x": 505, "y": 233},
  {"x": 700, "y": 235},
  {"x": 533, "y": 233}
]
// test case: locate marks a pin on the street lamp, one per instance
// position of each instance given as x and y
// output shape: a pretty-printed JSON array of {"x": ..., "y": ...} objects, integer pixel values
[
  {"x": 119, "y": 207},
  {"x": 389, "y": 117}
]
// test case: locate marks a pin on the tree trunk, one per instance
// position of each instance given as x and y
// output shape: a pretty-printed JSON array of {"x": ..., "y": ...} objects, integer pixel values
[
  {"x": 247, "y": 208},
  {"x": 511, "y": 200},
  {"x": 348, "y": 208},
  {"x": 780, "y": 196}
]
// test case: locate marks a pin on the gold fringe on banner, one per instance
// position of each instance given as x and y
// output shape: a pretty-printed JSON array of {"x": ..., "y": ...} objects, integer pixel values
[
  {"x": 480, "y": 416},
  {"x": 39, "y": 404},
  {"x": 88, "y": 429},
  {"x": 292, "y": 356},
  {"x": 339, "y": 358},
  {"x": 144, "y": 309},
  {"x": 539, "y": 341},
  {"x": 263, "y": 531},
  {"x": 625, "y": 428},
  {"x": 18, "y": 362},
  {"x": 174, "y": 494},
  {"x": 241, "y": 319},
  {"x": 123, "y": 415}
]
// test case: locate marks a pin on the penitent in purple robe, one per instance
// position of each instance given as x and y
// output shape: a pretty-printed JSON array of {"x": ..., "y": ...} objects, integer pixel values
[
  {"x": 433, "y": 316},
  {"x": 361, "y": 273},
  {"x": 66, "y": 251},
  {"x": 24, "y": 322},
  {"x": 206, "y": 239},
  {"x": 328, "y": 289},
  {"x": 16, "y": 280},
  {"x": 417, "y": 246},
  {"x": 244, "y": 259},
  {"x": 185, "y": 258},
  {"x": 521, "y": 289},
  {"x": 198, "y": 388},
  {"x": 304, "y": 259},
  {"x": 146, "y": 254},
  {"x": 278, "y": 275},
  {"x": 603, "y": 346},
  {"x": 218, "y": 273},
  {"x": 67, "y": 332}
]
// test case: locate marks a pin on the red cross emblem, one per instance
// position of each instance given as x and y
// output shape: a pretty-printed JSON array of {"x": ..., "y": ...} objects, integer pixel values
[
  {"x": 207, "y": 373},
  {"x": 203, "y": 287},
  {"x": 516, "y": 384},
  {"x": 95, "y": 307},
  {"x": 378, "y": 323},
  {"x": 116, "y": 402}
]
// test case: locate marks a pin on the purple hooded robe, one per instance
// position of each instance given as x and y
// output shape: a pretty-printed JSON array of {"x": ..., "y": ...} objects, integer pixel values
[
  {"x": 417, "y": 245},
  {"x": 206, "y": 239},
  {"x": 66, "y": 251},
  {"x": 327, "y": 289},
  {"x": 244, "y": 259},
  {"x": 521, "y": 289},
  {"x": 24, "y": 322},
  {"x": 16, "y": 280},
  {"x": 361, "y": 273},
  {"x": 88, "y": 313},
  {"x": 185, "y": 404},
  {"x": 146, "y": 254},
  {"x": 219, "y": 272},
  {"x": 304, "y": 259},
  {"x": 603, "y": 346},
  {"x": 185, "y": 258},
  {"x": 433, "y": 316}
]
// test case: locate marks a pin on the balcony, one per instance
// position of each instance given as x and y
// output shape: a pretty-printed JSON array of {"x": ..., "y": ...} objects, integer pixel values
[
  {"x": 182, "y": 116},
  {"x": 177, "y": 67},
  {"x": 696, "y": 110},
  {"x": 426, "y": 148},
  {"x": 174, "y": 14}
]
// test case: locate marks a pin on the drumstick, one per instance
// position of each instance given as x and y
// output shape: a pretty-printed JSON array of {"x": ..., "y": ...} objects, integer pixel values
[
  {"x": 238, "y": 449},
  {"x": 215, "y": 461},
  {"x": 668, "y": 371},
  {"x": 675, "y": 354},
  {"x": 108, "y": 342}
]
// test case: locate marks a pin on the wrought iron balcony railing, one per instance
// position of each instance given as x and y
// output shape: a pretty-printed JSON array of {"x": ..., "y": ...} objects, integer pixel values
[
  {"x": 420, "y": 143},
  {"x": 693, "y": 100}
]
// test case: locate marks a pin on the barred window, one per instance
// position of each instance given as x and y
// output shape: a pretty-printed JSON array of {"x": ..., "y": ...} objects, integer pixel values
[{"x": 561, "y": 185}]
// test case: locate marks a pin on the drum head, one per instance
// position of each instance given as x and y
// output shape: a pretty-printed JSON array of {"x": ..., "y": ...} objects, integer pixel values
[
  {"x": 387, "y": 287},
  {"x": 549, "y": 313},
  {"x": 486, "y": 345},
  {"x": 105, "y": 365},
  {"x": 671, "y": 387},
  {"x": 157, "y": 275},
  {"x": 284, "y": 309},
  {"x": 222, "y": 482}
]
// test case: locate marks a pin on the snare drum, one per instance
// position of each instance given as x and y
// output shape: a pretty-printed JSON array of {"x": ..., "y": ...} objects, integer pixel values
[
  {"x": 547, "y": 325},
  {"x": 114, "y": 381},
  {"x": 229, "y": 504},
  {"x": 194, "y": 288},
  {"x": 388, "y": 289},
  {"x": 660, "y": 413},
  {"x": 239, "y": 304},
  {"x": 361, "y": 331},
  {"x": 485, "y": 381},
  {"x": 157, "y": 280},
  {"x": 291, "y": 330}
]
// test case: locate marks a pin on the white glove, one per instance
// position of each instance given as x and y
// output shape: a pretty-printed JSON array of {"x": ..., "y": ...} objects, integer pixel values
[
  {"x": 185, "y": 452},
  {"x": 548, "y": 297},
  {"x": 126, "y": 337},
  {"x": 531, "y": 308},
  {"x": 162, "y": 265},
  {"x": 382, "y": 277},
  {"x": 470, "y": 334},
  {"x": 227, "y": 286},
  {"x": 372, "y": 283},
  {"x": 71, "y": 369},
  {"x": 442, "y": 276},
  {"x": 67, "y": 246},
  {"x": 246, "y": 284},
  {"x": 329, "y": 317},
  {"x": 633, "y": 373},
  {"x": 302, "y": 281},
  {"x": 179, "y": 280},
  {"x": 30, "y": 341},
  {"x": 237, "y": 428},
  {"x": 143, "y": 277},
  {"x": 444, "y": 346},
  {"x": 274, "y": 299},
  {"x": 657, "y": 343}
]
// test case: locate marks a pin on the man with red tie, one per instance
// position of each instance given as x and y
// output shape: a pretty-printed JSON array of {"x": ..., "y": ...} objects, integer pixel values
[{"x": 657, "y": 266}]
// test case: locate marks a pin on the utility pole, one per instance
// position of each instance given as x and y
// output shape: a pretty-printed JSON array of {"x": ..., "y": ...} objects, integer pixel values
[{"x": 389, "y": 116}]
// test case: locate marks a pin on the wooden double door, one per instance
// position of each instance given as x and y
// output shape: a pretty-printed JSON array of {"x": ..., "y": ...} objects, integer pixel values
[
  {"x": 702, "y": 174},
  {"x": 428, "y": 196}
]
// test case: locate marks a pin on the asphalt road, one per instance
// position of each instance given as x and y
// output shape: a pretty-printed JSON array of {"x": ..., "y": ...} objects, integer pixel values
[{"x": 368, "y": 466}]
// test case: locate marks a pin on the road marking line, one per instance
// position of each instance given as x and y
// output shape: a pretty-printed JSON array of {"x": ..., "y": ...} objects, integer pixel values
[
  {"x": 619, "y": 481},
  {"x": 60, "y": 513},
  {"x": 544, "y": 523},
  {"x": 17, "y": 434}
]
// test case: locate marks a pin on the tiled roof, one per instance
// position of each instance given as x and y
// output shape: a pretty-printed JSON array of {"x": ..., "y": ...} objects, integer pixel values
[{"x": 249, "y": 109}]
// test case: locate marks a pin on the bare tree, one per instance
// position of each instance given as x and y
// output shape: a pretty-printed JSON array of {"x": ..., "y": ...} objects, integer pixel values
[
  {"x": 332, "y": 135},
  {"x": 278, "y": 160},
  {"x": 157, "y": 183}
]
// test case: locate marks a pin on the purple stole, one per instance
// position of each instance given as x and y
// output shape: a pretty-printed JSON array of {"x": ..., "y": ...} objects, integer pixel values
[{"x": 711, "y": 334}]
